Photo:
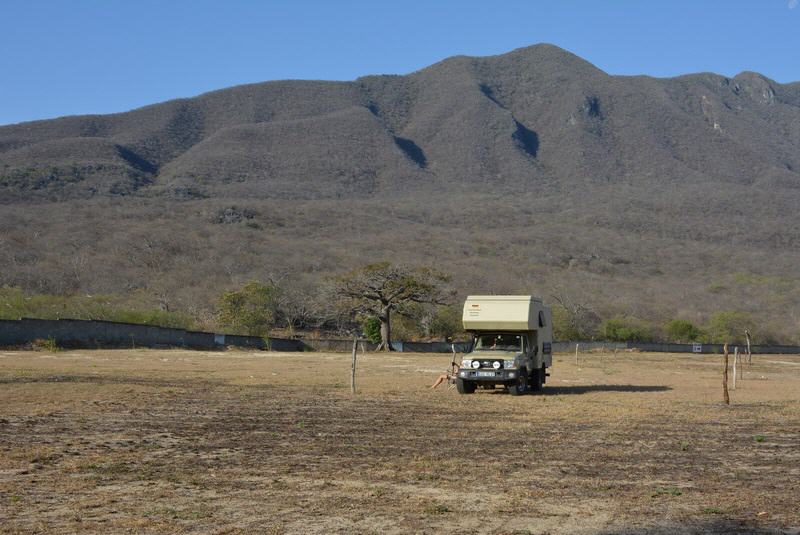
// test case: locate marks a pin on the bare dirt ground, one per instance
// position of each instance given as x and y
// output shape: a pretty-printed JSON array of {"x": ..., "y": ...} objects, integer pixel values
[{"x": 177, "y": 441}]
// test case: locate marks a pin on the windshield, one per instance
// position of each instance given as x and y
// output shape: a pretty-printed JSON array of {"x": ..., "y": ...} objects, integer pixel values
[{"x": 498, "y": 342}]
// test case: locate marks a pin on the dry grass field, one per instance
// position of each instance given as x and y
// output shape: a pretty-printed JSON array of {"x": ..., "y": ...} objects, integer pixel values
[{"x": 177, "y": 441}]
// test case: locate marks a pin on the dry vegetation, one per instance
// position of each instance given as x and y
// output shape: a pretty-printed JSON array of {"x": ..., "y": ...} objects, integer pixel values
[
  {"x": 520, "y": 173},
  {"x": 178, "y": 441}
]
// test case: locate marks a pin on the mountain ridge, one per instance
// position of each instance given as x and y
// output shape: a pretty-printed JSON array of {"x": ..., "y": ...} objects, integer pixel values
[{"x": 612, "y": 185}]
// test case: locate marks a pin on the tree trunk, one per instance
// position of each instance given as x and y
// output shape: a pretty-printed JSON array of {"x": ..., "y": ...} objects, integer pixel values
[
  {"x": 386, "y": 330},
  {"x": 386, "y": 333}
]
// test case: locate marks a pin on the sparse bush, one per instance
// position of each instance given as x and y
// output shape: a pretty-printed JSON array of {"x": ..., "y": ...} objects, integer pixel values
[
  {"x": 728, "y": 327},
  {"x": 48, "y": 345},
  {"x": 573, "y": 319},
  {"x": 446, "y": 323},
  {"x": 669, "y": 491},
  {"x": 683, "y": 331},
  {"x": 717, "y": 287},
  {"x": 252, "y": 310},
  {"x": 627, "y": 329},
  {"x": 14, "y": 304},
  {"x": 437, "y": 509},
  {"x": 406, "y": 328},
  {"x": 563, "y": 329}
]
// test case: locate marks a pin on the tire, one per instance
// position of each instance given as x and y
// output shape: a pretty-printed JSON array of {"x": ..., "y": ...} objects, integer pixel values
[
  {"x": 465, "y": 387},
  {"x": 520, "y": 387},
  {"x": 537, "y": 379}
]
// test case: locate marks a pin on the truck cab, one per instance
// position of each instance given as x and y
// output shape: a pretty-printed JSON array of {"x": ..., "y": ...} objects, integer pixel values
[{"x": 512, "y": 338}]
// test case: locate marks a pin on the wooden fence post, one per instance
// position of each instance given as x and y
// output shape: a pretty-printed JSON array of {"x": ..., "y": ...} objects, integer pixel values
[
  {"x": 741, "y": 366},
  {"x": 353, "y": 370},
  {"x": 725, "y": 376},
  {"x": 749, "y": 354},
  {"x": 576, "y": 353},
  {"x": 735, "y": 358}
]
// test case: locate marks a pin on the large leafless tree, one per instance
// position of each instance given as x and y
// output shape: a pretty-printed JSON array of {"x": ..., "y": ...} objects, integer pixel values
[{"x": 377, "y": 290}]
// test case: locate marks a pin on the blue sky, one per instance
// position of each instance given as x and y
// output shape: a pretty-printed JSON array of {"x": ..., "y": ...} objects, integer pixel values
[{"x": 101, "y": 56}]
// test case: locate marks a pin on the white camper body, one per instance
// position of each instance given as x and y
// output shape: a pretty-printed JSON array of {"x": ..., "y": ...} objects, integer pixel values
[{"x": 511, "y": 345}]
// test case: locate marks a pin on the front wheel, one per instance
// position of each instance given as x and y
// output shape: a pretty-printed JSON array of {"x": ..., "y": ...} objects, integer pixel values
[
  {"x": 537, "y": 379},
  {"x": 519, "y": 387},
  {"x": 465, "y": 387}
]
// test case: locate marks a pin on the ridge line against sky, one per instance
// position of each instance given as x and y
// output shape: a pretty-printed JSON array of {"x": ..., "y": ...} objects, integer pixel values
[{"x": 89, "y": 56}]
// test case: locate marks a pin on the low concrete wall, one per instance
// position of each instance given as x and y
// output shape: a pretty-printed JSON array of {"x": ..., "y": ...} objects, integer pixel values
[
  {"x": 655, "y": 347},
  {"x": 344, "y": 345},
  {"x": 435, "y": 347},
  {"x": 336, "y": 345},
  {"x": 71, "y": 333},
  {"x": 98, "y": 333},
  {"x": 569, "y": 347}
]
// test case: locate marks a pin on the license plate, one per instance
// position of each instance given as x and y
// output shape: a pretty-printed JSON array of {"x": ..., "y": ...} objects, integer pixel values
[{"x": 485, "y": 374}]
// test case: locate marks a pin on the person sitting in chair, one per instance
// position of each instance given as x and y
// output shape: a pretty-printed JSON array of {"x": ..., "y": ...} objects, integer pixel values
[{"x": 449, "y": 375}]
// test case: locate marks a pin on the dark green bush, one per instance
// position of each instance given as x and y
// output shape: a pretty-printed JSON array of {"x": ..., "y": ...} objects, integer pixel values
[
  {"x": 627, "y": 329},
  {"x": 372, "y": 329},
  {"x": 683, "y": 331},
  {"x": 252, "y": 309}
]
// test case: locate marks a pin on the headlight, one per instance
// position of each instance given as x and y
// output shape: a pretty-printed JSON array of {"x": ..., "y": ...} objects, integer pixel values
[
  {"x": 508, "y": 364},
  {"x": 476, "y": 364},
  {"x": 466, "y": 363},
  {"x": 496, "y": 365}
]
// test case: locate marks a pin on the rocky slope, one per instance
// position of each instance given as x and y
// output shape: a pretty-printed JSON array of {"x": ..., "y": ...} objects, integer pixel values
[{"x": 528, "y": 171}]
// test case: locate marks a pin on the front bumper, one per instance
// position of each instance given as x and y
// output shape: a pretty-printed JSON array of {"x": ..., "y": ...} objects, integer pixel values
[{"x": 490, "y": 376}]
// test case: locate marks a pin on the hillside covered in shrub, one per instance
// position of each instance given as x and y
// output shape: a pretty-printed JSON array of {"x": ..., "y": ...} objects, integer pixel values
[{"x": 642, "y": 199}]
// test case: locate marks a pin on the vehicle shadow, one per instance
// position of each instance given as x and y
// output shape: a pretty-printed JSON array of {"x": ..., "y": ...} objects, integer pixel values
[
  {"x": 724, "y": 525},
  {"x": 585, "y": 389}
]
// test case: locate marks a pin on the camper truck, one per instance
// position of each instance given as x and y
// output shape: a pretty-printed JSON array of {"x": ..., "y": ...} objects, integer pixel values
[{"x": 512, "y": 337}]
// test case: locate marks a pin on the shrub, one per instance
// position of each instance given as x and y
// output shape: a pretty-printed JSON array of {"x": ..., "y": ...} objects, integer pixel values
[
  {"x": 627, "y": 329},
  {"x": 15, "y": 304},
  {"x": 406, "y": 328},
  {"x": 372, "y": 329},
  {"x": 251, "y": 310},
  {"x": 728, "y": 327},
  {"x": 446, "y": 323},
  {"x": 563, "y": 328},
  {"x": 683, "y": 331},
  {"x": 48, "y": 345}
]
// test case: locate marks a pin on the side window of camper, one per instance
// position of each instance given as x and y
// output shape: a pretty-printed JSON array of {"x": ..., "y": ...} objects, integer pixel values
[{"x": 541, "y": 318}]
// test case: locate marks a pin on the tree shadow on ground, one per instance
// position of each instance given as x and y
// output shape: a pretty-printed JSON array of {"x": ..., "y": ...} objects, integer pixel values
[{"x": 112, "y": 379}]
